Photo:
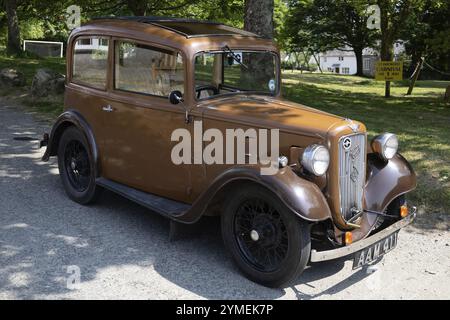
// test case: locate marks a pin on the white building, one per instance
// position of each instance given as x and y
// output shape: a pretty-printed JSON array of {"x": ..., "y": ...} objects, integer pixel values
[
  {"x": 92, "y": 44},
  {"x": 344, "y": 61},
  {"x": 338, "y": 61}
]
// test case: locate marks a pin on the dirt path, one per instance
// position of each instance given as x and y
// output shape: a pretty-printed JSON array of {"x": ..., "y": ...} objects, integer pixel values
[{"x": 123, "y": 251}]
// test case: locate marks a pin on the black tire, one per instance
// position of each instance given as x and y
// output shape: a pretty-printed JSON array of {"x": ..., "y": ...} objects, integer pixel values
[
  {"x": 76, "y": 167},
  {"x": 288, "y": 242}
]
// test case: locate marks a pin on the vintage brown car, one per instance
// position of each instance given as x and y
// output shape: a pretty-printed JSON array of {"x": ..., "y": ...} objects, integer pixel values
[{"x": 132, "y": 81}]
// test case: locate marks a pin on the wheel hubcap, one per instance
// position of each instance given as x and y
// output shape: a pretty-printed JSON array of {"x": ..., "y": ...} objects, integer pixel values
[
  {"x": 254, "y": 235},
  {"x": 73, "y": 164}
]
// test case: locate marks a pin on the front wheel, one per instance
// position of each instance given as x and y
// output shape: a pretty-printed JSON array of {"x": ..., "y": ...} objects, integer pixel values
[{"x": 268, "y": 242}]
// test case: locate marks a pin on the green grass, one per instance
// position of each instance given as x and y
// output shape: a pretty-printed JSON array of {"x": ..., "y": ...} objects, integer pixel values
[
  {"x": 51, "y": 106},
  {"x": 29, "y": 65},
  {"x": 421, "y": 121}
]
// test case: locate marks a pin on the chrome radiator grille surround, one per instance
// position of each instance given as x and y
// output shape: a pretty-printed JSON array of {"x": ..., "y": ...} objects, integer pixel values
[{"x": 352, "y": 173}]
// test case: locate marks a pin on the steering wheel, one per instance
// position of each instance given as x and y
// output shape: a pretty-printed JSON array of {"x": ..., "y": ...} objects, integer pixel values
[{"x": 199, "y": 89}]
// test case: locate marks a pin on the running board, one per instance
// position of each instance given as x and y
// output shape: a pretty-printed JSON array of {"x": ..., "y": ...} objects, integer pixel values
[{"x": 153, "y": 202}]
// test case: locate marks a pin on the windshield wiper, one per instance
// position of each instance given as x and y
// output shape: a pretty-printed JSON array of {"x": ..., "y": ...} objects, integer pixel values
[{"x": 234, "y": 56}]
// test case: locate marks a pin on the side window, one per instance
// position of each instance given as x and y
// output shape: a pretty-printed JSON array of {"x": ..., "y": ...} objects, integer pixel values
[
  {"x": 149, "y": 70},
  {"x": 204, "y": 68},
  {"x": 90, "y": 61}
]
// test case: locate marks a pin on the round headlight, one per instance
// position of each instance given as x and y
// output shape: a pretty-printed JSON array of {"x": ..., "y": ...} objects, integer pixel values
[
  {"x": 386, "y": 145},
  {"x": 316, "y": 159}
]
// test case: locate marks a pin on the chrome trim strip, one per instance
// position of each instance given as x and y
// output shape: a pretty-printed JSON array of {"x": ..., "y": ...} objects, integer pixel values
[{"x": 318, "y": 256}]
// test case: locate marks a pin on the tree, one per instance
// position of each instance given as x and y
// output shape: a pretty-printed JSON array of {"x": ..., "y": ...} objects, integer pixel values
[
  {"x": 427, "y": 34},
  {"x": 280, "y": 13},
  {"x": 258, "y": 17},
  {"x": 301, "y": 34},
  {"x": 331, "y": 24},
  {"x": 393, "y": 14},
  {"x": 13, "y": 45},
  {"x": 134, "y": 7},
  {"x": 226, "y": 11}
]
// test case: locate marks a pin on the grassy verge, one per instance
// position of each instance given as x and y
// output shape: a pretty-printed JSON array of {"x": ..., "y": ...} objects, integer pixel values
[
  {"x": 422, "y": 122},
  {"x": 51, "y": 106}
]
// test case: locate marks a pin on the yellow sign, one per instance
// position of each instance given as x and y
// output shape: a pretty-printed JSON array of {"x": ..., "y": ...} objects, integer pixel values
[{"x": 389, "y": 70}]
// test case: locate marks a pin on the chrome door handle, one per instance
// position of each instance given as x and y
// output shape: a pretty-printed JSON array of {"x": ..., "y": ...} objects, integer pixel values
[{"x": 108, "y": 108}]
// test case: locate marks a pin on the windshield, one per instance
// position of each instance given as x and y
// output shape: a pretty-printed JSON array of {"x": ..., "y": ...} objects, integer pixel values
[{"x": 232, "y": 71}]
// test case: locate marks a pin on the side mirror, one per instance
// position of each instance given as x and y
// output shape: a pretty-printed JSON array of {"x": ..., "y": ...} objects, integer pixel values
[{"x": 175, "y": 97}]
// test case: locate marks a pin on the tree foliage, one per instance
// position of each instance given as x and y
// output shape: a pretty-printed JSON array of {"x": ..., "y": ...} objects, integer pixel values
[
  {"x": 426, "y": 32},
  {"x": 321, "y": 25},
  {"x": 302, "y": 26}
]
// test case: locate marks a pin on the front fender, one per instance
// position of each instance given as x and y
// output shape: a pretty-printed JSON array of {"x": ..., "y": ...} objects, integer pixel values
[
  {"x": 303, "y": 197},
  {"x": 387, "y": 180},
  {"x": 70, "y": 118}
]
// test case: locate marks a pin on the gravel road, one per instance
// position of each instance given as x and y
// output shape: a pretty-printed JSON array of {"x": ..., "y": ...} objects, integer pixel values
[{"x": 122, "y": 251}]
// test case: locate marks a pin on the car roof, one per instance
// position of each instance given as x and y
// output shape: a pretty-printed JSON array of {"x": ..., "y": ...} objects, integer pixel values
[
  {"x": 186, "y": 35},
  {"x": 188, "y": 28}
]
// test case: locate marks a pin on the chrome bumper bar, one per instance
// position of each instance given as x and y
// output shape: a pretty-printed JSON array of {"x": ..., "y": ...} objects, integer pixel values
[{"x": 317, "y": 256}]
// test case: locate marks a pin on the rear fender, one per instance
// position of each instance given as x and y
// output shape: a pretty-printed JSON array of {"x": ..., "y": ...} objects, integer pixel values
[{"x": 66, "y": 119}]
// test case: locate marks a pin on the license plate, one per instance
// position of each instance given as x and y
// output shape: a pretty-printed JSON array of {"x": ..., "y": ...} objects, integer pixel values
[{"x": 375, "y": 251}]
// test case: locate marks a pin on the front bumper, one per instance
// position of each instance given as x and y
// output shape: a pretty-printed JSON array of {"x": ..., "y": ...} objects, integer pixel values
[{"x": 318, "y": 256}]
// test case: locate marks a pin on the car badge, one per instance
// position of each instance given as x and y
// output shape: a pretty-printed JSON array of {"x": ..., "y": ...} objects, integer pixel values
[{"x": 347, "y": 144}]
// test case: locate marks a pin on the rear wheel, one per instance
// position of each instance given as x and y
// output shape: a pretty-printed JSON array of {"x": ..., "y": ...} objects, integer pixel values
[
  {"x": 269, "y": 243},
  {"x": 76, "y": 167}
]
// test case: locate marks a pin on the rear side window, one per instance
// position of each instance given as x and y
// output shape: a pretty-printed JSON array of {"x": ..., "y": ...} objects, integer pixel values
[
  {"x": 148, "y": 70},
  {"x": 90, "y": 61}
]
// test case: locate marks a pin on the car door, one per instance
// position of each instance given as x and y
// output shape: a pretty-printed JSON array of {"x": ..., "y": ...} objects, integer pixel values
[
  {"x": 139, "y": 120},
  {"x": 86, "y": 91}
]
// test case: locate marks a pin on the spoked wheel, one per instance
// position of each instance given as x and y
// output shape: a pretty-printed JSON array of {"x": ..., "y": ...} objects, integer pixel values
[
  {"x": 261, "y": 234},
  {"x": 76, "y": 167},
  {"x": 76, "y": 162},
  {"x": 268, "y": 242}
]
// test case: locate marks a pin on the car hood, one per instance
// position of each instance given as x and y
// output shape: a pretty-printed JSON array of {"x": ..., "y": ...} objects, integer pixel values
[{"x": 272, "y": 113}]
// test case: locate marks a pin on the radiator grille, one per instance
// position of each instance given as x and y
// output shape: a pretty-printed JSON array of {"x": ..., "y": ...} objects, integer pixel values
[{"x": 352, "y": 173}]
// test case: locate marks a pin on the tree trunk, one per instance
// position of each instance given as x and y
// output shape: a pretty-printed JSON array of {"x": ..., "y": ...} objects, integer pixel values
[
  {"x": 318, "y": 62},
  {"x": 296, "y": 60},
  {"x": 305, "y": 56},
  {"x": 138, "y": 7},
  {"x": 415, "y": 58},
  {"x": 13, "y": 46},
  {"x": 359, "y": 61},
  {"x": 415, "y": 76},
  {"x": 258, "y": 17},
  {"x": 447, "y": 94}
]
